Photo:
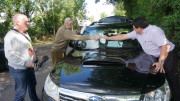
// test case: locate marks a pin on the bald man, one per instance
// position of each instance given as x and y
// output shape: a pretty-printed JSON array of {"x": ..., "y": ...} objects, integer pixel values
[
  {"x": 63, "y": 35},
  {"x": 20, "y": 54}
]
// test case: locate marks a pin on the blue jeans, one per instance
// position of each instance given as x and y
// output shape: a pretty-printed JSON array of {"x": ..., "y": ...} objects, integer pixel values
[{"x": 24, "y": 79}]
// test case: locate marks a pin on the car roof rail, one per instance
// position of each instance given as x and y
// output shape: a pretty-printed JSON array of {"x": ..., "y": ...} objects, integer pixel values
[
  {"x": 116, "y": 19},
  {"x": 93, "y": 23},
  {"x": 113, "y": 20}
]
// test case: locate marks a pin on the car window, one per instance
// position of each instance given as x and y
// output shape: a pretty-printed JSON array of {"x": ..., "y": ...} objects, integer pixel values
[
  {"x": 102, "y": 43},
  {"x": 106, "y": 31}
]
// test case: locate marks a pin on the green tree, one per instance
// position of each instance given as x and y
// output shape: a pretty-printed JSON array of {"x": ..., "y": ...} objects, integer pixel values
[
  {"x": 52, "y": 13},
  {"x": 103, "y": 14},
  {"x": 119, "y": 9},
  {"x": 163, "y": 13},
  {"x": 91, "y": 18},
  {"x": 10, "y": 7},
  {"x": 46, "y": 16}
]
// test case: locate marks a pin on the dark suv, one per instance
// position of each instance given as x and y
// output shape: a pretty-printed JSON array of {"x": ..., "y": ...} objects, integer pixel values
[{"x": 95, "y": 70}]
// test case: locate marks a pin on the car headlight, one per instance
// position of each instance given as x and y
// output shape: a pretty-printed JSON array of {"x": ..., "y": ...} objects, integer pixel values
[
  {"x": 161, "y": 94},
  {"x": 51, "y": 89}
]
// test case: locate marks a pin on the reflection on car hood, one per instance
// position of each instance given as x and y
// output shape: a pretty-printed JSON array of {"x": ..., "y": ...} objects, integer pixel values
[{"x": 102, "y": 74}]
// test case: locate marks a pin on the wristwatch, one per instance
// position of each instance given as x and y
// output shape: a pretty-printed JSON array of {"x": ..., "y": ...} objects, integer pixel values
[{"x": 161, "y": 62}]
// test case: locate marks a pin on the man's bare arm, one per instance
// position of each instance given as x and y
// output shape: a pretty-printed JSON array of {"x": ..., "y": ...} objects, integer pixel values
[
  {"x": 164, "y": 52},
  {"x": 163, "y": 55},
  {"x": 117, "y": 37}
]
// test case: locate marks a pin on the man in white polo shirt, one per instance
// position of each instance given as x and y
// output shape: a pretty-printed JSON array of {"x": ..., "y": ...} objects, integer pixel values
[{"x": 154, "y": 42}]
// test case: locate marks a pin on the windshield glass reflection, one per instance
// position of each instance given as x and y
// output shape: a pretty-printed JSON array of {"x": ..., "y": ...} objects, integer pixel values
[{"x": 102, "y": 43}]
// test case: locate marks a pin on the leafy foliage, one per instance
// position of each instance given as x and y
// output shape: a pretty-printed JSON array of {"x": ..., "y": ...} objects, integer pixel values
[
  {"x": 163, "y": 13},
  {"x": 103, "y": 14},
  {"x": 46, "y": 16}
]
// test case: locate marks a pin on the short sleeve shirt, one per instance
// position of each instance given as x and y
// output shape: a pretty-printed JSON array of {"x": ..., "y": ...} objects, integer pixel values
[{"x": 151, "y": 39}]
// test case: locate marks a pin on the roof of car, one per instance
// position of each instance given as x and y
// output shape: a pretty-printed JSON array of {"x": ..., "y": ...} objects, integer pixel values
[
  {"x": 109, "y": 25},
  {"x": 113, "y": 21}
]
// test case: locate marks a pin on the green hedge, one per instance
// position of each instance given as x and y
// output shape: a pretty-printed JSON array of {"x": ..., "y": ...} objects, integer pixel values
[{"x": 163, "y": 13}]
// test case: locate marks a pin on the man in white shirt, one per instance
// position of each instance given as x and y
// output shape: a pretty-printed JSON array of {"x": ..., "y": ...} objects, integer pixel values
[
  {"x": 20, "y": 55},
  {"x": 154, "y": 42}
]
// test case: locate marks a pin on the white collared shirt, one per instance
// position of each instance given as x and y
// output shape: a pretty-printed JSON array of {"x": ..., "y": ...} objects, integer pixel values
[{"x": 151, "y": 39}]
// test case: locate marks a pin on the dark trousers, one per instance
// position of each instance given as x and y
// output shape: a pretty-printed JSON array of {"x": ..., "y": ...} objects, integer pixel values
[
  {"x": 24, "y": 79},
  {"x": 172, "y": 74}
]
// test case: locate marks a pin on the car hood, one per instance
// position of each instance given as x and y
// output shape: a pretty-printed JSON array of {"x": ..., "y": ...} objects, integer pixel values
[{"x": 99, "y": 73}]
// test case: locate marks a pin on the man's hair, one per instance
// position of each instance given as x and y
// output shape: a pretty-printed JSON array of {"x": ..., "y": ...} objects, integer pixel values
[
  {"x": 140, "y": 22},
  {"x": 18, "y": 17},
  {"x": 68, "y": 21}
]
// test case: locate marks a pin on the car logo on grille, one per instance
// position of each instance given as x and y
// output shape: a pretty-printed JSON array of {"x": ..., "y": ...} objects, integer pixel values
[{"x": 95, "y": 98}]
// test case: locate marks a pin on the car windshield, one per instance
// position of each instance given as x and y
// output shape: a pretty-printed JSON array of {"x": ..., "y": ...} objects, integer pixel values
[{"x": 102, "y": 43}]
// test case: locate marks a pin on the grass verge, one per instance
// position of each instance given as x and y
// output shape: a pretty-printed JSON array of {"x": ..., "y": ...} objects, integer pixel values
[{"x": 41, "y": 43}]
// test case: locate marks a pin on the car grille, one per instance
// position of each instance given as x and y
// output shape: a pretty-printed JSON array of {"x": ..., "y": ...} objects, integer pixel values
[{"x": 68, "y": 98}]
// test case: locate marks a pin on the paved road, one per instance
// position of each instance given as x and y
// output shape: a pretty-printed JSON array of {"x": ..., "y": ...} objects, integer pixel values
[{"x": 7, "y": 83}]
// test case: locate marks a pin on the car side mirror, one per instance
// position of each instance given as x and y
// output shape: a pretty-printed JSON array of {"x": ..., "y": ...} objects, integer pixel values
[{"x": 77, "y": 44}]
